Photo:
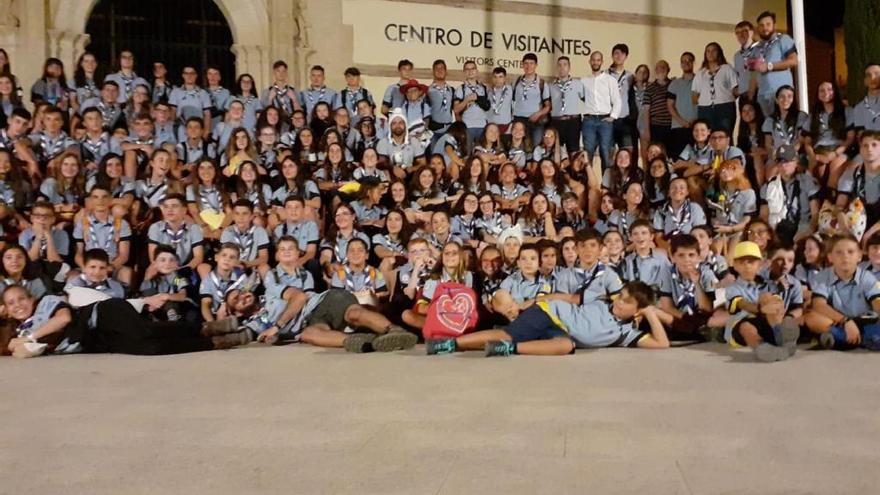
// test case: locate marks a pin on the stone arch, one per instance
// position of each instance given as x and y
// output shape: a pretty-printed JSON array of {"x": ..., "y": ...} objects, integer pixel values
[{"x": 248, "y": 20}]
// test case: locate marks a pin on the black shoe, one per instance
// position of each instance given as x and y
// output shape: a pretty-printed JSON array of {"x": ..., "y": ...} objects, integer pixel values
[
  {"x": 220, "y": 327},
  {"x": 233, "y": 339},
  {"x": 439, "y": 346},
  {"x": 500, "y": 348},
  {"x": 359, "y": 342}
]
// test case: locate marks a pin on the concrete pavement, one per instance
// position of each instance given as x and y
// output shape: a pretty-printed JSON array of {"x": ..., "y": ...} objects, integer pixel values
[{"x": 300, "y": 420}]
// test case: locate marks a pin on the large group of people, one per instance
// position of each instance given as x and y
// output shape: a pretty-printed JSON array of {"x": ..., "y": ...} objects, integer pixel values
[{"x": 614, "y": 209}]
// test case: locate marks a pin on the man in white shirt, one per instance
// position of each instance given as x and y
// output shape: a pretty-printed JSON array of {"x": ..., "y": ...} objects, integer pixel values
[{"x": 602, "y": 99}]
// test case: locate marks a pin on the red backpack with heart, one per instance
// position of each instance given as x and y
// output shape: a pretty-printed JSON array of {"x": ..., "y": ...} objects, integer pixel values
[{"x": 452, "y": 312}]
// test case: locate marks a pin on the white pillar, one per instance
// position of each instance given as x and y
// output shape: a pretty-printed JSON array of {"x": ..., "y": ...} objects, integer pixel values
[{"x": 797, "y": 21}]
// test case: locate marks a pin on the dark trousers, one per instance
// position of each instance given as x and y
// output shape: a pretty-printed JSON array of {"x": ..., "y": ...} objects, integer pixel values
[
  {"x": 663, "y": 134},
  {"x": 569, "y": 130},
  {"x": 121, "y": 329},
  {"x": 721, "y": 116},
  {"x": 534, "y": 130},
  {"x": 679, "y": 138}
]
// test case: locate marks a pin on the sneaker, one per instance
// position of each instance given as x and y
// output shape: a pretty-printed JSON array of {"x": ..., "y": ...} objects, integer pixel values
[
  {"x": 835, "y": 337},
  {"x": 359, "y": 342},
  {"x": 220, "y": 327},
  {"x": 439, "y": 346},
  {"x": 826, "y": 340},
  {"x": 499, "y": 348},
  {"x": 769, "y": 353},
  {"x": 395, "y": 340},
  {"x": 232, "y": 339},
  {"x": 788, "y": 334},
  {"x": 172, "y": 315}
]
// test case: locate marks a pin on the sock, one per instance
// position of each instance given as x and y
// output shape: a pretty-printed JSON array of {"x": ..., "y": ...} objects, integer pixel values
[
  {"x": 777, "y": 334},
  {"x": 839, "y": 335}
]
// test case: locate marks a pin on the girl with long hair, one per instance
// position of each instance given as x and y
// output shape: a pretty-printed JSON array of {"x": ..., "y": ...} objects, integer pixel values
[
  {"x": 737, "y": 202},
  {"x": 830, "y": 135},
  {"x": 239, "y": 150},
  {"x": 206, "y": 197}
]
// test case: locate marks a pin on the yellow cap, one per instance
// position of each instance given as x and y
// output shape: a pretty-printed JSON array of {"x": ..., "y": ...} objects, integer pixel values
[{"x": 747, "y": 249}]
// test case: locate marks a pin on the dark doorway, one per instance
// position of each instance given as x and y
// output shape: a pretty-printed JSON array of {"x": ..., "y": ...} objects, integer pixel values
[{"x": 176, "y": 32}]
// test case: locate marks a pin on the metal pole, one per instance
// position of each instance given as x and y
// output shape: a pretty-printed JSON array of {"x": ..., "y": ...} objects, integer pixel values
[{"x": 797, "y": 22}]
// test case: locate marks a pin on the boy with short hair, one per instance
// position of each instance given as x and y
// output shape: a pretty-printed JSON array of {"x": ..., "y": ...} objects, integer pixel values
[
  {"x": 162, "y": 277},
  {"x": 280, "y": 94},
  {"x": 52, "y": 142},
  {"x": 845, "y": 301},
  {"x": 98, "y": 229},
  {"x": 708, "y": 259},
  {"x": 591, "y": 280},
  {"x": 96, "y": 275},
  {"x": 304, "y": 231},
  {"x": 288, "y": 274},
  {"x": 253, "y": 240},
  {"x": 643, "y": 263},
  {"x": 557, "y": 327},
  {"x": 219, "y": 281},
  {"x": 41, "y": 240},
  {"x": 764, "y": 312},
  {"x": 163, "y": 128},
  {"x": 686, "y": 289},
  {"x": 194, "y": 148},
  {"x": 353, "y": 93},
  {"x": 138, "y": 147},
  {"x": 527, "y": 284},
  {"x": 173, "y": 230},
  {"x": 411, "y": 277},
  {"x": 355, "y": 276},
  {"x": 97, "y": 142}
]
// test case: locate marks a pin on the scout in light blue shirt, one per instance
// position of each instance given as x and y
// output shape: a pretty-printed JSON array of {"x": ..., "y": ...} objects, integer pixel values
[
  {"x": 190, "y": 102},
  {"x": 59, "y": 238},
  {"x": 774, "y": 49},
  {"x": 671, "y": 221},
  {"x": 107, "y": 286},
  {"x": 170, "y": 283},
  {"x": 799, "y": 191},
  {"x": 853, "y": 298},
  {"x": 529, "y": 96},
  {"x": 599, "y": 282},
  {"x": 648, "y": 269},
  {"x": 215, "y": 287},
  {"x": 593, "y": 325},
  {"x": 339, "y": 248},
  {"x": 44, "y": 311},
  {"x": 500, "y": 103},
  {"x": 699, "y": 154},
  {"x": 866, "y": 114},
  {"x": 34, "y": 286},
  {"x": 441, "y": 98},
  {"x": 474, "y": 114},
  {"x": 679, "y": 91},
  {"x": 107, "y": 234},
  {"x": 93, "y": 149},
  {"x": 219, "y": 97},
  {"x": 784, "y": 133},
  {"x": 48, "y": 147},
  {"x": 251, "y": 240},
  {"x": 368, "y": 214},
  {"x": 433, "y": 282},
  {"x": 566, "y": 97},
  {"x": 310, "y": 97},
  {"x": 305, "y": 233},
  {"x": 523, "y": 289},
  {"x": 126, "y": 84},
  {"x": 683, "y": 291},
  {"x": 183, "y": 239},
  {"x": 857, "y": 182},
  {"x": 277, "y": 280},
  {"x": 354, "y": 280}
]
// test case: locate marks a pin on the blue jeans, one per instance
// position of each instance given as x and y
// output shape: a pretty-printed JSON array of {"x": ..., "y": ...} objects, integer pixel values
[{"x": 598, "y": 132}]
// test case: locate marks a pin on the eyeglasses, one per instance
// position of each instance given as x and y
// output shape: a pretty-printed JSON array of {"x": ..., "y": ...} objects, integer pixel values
[{"x": 487, "y": 202}]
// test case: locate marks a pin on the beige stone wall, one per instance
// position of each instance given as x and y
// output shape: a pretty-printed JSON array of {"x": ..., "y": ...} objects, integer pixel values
[{"x": 340, "y": 33}]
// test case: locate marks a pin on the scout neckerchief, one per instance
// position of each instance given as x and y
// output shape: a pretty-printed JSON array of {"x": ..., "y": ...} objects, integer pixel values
[
  {"x": 99, "y": 286},
  {"x": 636, "y": 264},
  {"x": 595, "y": 273},
  {"x": 162, "y": 92},
  {"x": 874, "y": 114},
  {"x": 444, "y": 89},
  {"x": 528, "y": 86},
  {"x": 26, "y": 328},
  {"x": 858, "y": 189},
  {"x": 155, "y": 194},
  {"x": 44, "y": 246},
  {"x": 687, "y": 292},
  {"x": 349, "y": 278},
  {"x": 127, "y": 81},
  {"x": 351, "y": 97},
  {"x": 245, "y": 240},
  {"x": 94, "y": 148},
  {"x": 497, "y": 102},
  {"x": 493, "y": 225},
  {"x": 341, "y": 256},
  {"x": 764, "y": 47},
  {"x": 93, "y": 233},
  {"x": 729, "y": 201},
  {"x": 90, "y": 90},
  {"x": 623, "y": 223},
  {"x": 220, "y": 287},
  {"x": 786, "y": 133},
  {"x": 680, "y": 220},
  {"x": 109, "y": 113},
  {"x": 175, "y": 237},
  {"x": 792, "y": 201},
  {"x": 282, "y": 100},
  {"x": 282, "y": 276},
  {"x": 209, "y": 198},
  {"x": 468, "y": 225},
  {"x": 310, "y": 94},
  {"x": 563, "y": 88},
  {"x": 52, "y": 147}
]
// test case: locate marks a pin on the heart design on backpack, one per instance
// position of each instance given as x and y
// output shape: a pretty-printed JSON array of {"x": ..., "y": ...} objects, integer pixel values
[{"x": 455, "y": 312}]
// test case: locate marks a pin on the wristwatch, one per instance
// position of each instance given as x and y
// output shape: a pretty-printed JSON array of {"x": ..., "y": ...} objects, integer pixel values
[{"x": 769, "y": 66}]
